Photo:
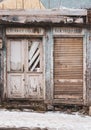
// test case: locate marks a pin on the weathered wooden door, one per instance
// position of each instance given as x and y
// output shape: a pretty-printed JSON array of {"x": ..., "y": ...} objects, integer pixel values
[
  {"x": 68, "y": 69},
  {"x": 24, "y": 68}
]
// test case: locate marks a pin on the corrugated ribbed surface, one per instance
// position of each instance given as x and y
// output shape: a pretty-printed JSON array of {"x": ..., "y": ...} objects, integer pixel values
[{"x": 68, "y": 68}]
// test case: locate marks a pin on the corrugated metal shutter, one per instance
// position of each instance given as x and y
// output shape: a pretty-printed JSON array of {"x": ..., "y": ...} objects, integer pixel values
[{"x": 68, "y": 68}]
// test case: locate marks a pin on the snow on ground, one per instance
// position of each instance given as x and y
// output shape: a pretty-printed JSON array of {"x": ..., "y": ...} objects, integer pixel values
[{"x": 56, "y": 120}]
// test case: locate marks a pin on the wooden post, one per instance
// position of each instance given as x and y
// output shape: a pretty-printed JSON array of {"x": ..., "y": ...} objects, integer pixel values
[
  {"x": 48, "y": 52},
  {"x": 4, "y": 64},
  {"x": 84, "y": 66},
  {"x": 89, "y": 68}
]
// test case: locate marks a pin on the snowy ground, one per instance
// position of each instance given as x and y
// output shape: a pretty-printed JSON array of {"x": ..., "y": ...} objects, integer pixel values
[{"x": 54, "y": 120}]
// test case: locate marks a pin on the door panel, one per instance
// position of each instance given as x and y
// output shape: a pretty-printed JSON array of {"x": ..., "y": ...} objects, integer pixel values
[
  {"x": 34, "y": 85},
  {"x": 15, "y": 55},
  {"x": 24, "y": 68},
  {"x": 15, "y": 63},
  {"x": 15, "y": 85},
  {"x": 34, "y": 74}
]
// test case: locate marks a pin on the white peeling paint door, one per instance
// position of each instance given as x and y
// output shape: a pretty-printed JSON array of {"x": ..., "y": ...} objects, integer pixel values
[
  {"x": 15, "y": 72},
  {"x": 34, "y": 69},
  {"x": 24, "y": 69}
]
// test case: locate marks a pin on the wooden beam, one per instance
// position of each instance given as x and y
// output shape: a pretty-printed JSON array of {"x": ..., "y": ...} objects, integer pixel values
[
  {"x": 45, "y": 12},
  {"x": 48, "y": 66}
]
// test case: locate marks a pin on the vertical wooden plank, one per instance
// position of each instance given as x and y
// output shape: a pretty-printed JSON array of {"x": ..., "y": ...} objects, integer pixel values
[
  {"x": 8, "y": 55},
  {"x": 52, "y": 65},
  {"x": 88, "y": 78},
  {"x": 1, "y": 67},
  {"x": 1, "y": 76},
  {"x": 84, "y": 66},
  {"x": 48, "y": 52},
  {"x": 4, "y": 63},
  {"x": 41, "y": 56},
  {"x": 43, "y": 67}
]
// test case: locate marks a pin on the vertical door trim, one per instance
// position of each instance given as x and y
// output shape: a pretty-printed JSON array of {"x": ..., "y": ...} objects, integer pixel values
[{"x": 84, "y": 66}]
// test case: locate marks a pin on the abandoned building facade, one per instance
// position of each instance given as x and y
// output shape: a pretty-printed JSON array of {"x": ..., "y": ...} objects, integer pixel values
[{"x": 46, "y": 56}]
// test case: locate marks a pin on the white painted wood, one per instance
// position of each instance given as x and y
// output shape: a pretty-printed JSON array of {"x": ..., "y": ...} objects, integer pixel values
[
  {"x": 8, "y": 55},
  {"x": 27, "y": 55},
  {"x": 15, "y": 62},
  {"x": 16, "y": 56},
  {"x": 15, "y": 85},
  {"x": 67, "y": 31},
  {"x": 22, "y": 84},
  {"x": 44, "y": 64},
  {"x": 41, "y": 56},
  {"x": 48, "y": 12},
  {"x": 24, "y": 31},
  {"x": 34, "y": 86}
]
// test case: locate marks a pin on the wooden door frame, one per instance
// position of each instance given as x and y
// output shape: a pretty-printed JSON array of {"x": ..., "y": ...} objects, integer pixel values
[
  {"x": 83, "y": 36},
  {"x": 5, "y": 93}
]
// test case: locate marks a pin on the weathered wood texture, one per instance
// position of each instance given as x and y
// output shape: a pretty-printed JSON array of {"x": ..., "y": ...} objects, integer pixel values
[
  {"x": 89, "y": 15},
  {"x": 68, "y": 68},
  {"x": 51, "y": 16},
  {"x": 4, "y": 91},
  {"x": 24, "y": 69},
  {"x": 88, "y": 78},
  {"x": 1, "y": 64},
  {"x": 48, "y": 49},
  {"x": 49, "y": 12}
]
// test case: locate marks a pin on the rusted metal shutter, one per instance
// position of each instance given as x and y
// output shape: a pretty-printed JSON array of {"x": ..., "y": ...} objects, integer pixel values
[{"x": 68, "y": 68}]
